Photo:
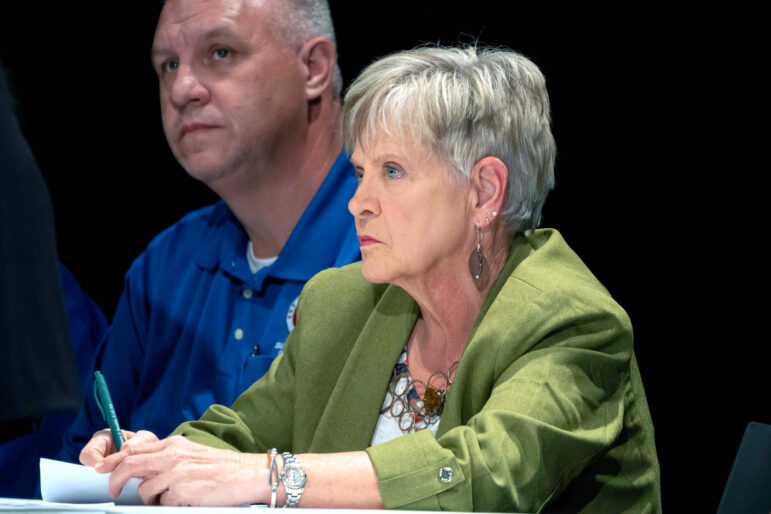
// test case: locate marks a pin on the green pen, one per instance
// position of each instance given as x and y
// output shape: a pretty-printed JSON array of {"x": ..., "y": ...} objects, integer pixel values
[{"x": 104, "y": 402}]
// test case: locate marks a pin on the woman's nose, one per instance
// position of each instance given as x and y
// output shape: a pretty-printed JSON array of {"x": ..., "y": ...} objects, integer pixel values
[{"x": 364, "y": 203}]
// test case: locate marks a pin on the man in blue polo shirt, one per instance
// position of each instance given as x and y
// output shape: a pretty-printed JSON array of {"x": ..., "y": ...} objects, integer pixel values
[{"x": 250, "y": 98}]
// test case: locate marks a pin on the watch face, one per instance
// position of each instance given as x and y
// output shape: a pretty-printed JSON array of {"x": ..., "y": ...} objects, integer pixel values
[{"x": 294, "y": 476}]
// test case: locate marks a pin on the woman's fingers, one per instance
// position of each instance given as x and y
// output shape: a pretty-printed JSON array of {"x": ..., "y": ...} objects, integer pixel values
[
  {"x": 101, "y": 446},
  {"x": 97, "y": 448},
  {"x": 152, "y": 488},
  {"x": 142, "y": 465},
  {"x": 173, "y": 498},
  {"x": 141, "y": 442},
  {"x": 176, "y": 471}
]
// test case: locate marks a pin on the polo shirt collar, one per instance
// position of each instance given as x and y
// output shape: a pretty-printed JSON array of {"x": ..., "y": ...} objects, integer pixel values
[
  {"x": 313, "y": 245},
  {"x": 321, "y": 232},
  {"x": 224, "y": 246}
]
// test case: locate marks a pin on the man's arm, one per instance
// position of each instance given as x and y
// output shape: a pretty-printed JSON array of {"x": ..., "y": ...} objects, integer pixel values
[{"x": 120, "y": 358}]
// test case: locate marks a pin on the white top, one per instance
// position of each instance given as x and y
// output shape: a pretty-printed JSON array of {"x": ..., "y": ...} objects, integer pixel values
[{"x": 256, "y": 264}]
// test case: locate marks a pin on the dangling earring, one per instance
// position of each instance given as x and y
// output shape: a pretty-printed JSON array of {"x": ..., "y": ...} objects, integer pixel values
[{"x": 477, "y": 264}]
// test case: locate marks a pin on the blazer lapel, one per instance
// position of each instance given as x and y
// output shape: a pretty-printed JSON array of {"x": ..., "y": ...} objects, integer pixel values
[
  {"x": 358, "y": 396},
  {"x": 477, "y": 355}
]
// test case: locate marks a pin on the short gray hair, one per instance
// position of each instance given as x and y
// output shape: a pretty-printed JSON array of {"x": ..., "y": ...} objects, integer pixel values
[
  {"x": 297, "y": 21},
  {"x": 463, "y": 104}
]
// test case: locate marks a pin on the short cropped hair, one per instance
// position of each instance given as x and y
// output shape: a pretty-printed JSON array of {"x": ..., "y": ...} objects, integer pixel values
[
  {"x": 463, "y": 104},
  {"x": 297, "y": 21}
]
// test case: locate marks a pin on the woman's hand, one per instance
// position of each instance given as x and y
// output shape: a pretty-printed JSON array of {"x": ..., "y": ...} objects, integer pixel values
[
  {"x": 101, "y": 445},
  {"x": 177, "y": 471}
]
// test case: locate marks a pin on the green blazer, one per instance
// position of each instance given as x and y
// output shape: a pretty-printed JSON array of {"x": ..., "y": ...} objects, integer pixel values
[{"x": 547, "y": 409}]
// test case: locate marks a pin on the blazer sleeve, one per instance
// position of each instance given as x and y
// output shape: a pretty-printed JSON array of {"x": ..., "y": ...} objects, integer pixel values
[
  {"x": 259, "y": 419},
  {"x": 556, "y": 402}
]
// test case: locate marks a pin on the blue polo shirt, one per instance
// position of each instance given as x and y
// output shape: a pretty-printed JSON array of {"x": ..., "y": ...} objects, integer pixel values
[{"x": 195, "y": 327}]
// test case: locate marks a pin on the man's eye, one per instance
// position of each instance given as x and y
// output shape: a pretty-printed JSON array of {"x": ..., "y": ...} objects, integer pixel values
[
  {"x": 357, "y": 175},
  {"x": 170, "y": 66},
  {"x": 221, "y": 53},
  {"x": 392, "y": 172}
]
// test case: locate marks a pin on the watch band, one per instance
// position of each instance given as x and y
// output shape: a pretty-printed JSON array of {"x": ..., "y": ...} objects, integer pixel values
[{"x": 293, "y": 478}]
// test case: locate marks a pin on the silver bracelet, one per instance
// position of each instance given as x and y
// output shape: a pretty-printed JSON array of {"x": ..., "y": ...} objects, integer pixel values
[
  {"x": 293, "y": 478},
  {"x": 273, "y": 476}
]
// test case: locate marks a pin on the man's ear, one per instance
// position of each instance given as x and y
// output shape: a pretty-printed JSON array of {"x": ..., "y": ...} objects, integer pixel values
[
  {"x": 489, "y": 179},
  {"x": 318, "y": 58}
]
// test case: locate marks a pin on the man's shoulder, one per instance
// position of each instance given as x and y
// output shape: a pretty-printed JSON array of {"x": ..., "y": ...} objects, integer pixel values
[
  {"x": 200, "y": 221},
  {"x": 204, "y": 227}
]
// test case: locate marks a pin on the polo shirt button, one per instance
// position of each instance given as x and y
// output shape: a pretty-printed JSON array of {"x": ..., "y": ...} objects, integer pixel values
[
  {"x": 445, "y": 475},
  {"x": 248, "y": 293},
  {"x": 239, "y": 334}
]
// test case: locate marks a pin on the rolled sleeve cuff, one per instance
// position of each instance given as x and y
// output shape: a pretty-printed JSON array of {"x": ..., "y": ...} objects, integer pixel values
[{"x": 415, "y": 472}]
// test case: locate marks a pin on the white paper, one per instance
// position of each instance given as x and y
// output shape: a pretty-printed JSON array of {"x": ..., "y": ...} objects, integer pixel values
[
  {"x": 17, "y": 504},
  {"x": 72, "y": 483}
]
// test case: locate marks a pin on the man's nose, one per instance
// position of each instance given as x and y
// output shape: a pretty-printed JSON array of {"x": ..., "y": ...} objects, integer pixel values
[{"x": 187, "y": 88}]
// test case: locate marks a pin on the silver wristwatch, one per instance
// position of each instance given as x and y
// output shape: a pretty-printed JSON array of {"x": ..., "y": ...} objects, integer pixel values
[{"x": 293, "y": 478}]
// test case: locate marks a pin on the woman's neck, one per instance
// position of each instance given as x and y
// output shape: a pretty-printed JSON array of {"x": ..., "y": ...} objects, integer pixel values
[{"x": 450, "y": 301}]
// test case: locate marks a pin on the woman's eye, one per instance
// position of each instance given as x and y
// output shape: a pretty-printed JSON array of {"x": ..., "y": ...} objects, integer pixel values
[
  {"x": 392, "y": 172},
  {"x": 221, "y": 53},
  {"x": 357, "y": 175}
]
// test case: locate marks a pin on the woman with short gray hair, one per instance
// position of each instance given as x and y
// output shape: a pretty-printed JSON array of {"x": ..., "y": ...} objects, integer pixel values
[
  {"x": 464, "y": 104},
  {"x": 469, "y": 362}
]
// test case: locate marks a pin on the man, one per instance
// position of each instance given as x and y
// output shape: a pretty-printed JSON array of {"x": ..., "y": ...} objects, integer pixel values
[{"x": 250, "y": 101}]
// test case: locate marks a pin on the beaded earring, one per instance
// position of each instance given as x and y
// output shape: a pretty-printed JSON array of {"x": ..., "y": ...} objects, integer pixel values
[{"x": 477, "y": 264}]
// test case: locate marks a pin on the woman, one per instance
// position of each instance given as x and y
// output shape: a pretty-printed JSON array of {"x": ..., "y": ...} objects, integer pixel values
[{"x": 477, "y": 365}]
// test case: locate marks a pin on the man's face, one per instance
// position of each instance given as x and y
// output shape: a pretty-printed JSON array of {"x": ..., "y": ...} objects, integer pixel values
[{"x": 230, "y": 93}]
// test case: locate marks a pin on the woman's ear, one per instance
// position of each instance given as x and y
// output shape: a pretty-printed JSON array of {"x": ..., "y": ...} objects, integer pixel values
[
  {"x": 489, "y": 178},
  {"x": 318, "y": 58}
]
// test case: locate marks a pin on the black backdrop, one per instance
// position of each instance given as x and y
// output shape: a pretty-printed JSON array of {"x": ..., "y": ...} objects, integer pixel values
[{"x": 657, "y": 177}]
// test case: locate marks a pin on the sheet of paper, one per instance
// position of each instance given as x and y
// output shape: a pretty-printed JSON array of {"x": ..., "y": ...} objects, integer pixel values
[
  {"x": 17, "y": 504},
  {"x": 72, "y": 483}
]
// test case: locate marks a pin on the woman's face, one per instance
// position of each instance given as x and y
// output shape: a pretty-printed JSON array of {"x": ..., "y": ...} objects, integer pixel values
[{"x": 411, "y": 221}]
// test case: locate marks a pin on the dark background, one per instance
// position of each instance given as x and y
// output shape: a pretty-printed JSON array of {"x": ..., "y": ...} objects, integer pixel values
[{"x": 659, "y": 176}]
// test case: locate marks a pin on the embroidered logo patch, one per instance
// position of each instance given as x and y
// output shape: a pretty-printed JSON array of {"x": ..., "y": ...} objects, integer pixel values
[{"x": 291, "y": 315}]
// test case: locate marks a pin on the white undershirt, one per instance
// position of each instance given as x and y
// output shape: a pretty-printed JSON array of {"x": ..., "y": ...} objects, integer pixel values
[{"x": 256, "y": 264}]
